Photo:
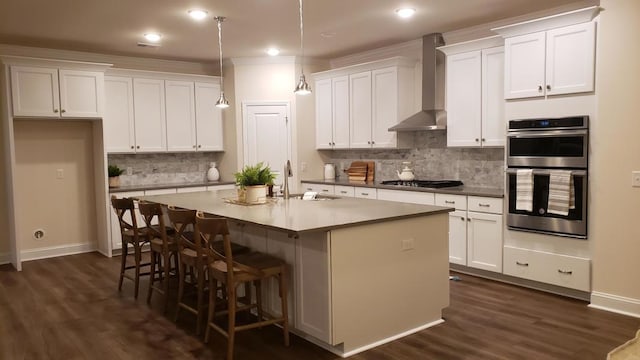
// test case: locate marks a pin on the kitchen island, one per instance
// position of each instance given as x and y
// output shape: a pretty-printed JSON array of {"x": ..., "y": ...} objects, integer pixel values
[{"x": 362, "y": 272}]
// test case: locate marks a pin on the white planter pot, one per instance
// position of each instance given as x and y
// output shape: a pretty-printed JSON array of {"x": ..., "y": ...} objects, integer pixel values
[{"x": 256, "y": 194}]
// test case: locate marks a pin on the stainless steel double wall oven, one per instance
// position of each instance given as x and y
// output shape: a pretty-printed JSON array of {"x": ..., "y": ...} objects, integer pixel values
[{"x": 544, "y": 145}]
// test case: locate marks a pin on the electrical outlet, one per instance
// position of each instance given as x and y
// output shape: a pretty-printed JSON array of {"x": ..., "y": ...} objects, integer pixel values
[
  {"x": 303, "y": 166},
  {"x": 635, "y": 178},
  {"x": 129, "y": 170},
  {"x": 407, "y": 244},
  {"x": 59, "y": 173}
]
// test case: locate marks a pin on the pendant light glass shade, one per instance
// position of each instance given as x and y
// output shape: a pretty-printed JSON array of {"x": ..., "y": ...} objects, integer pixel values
[
  {"x": 302, "y": 88},
  {"x": 222, "y": 101}
]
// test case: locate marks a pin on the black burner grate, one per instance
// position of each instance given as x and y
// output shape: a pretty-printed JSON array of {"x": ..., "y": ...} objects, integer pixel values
[{"x": 424, "y": 183}]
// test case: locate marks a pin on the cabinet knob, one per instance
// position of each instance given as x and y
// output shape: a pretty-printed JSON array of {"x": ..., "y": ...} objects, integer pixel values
[
  {"x": 462, "y": 218},
  {"x": 194, "y": 146},
  {"x": 548, "y": 87},
  {"x": 63, "y": 111},
  {"x": 483, "y": 139},
  {"x": 138, "y": 147},
  {"x": 55, "y": 111},
  {"x": 132, "y": 146},
  {"x": 539, "y": 87},
  {"x": 199, "y": 146},
  {"x": 369, "y": 142},
  {"x": 469, "y": 219},
  {"x": 373, "y": 142},
  {"x": 477, "y": 139}
]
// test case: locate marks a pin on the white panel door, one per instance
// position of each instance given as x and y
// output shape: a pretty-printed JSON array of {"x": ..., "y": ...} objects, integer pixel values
[
  {"x": 267, "y": 137},
  {"x": 524, "y": 66},
  {"x": 571, "y": 59},
  {"x": 180, "y": 115},
  {"x": 35, "y": 91},
  {"x": 340, "y": 111},
  {"x": 464, "y": 100},
  {"x": 493, "y": 117},
  {"x": 458, "y": 237},
  {"x": 360, "y": 110},
  {"x": 81, "y": 94},
  {"x": 384, "y": 107},
  {"x": 209, "y": 128},
  {"x": 118, "y": 124},
  {"x": 149, "y": 114},
  {"x": 324, "y": 114},
  {"x": 484, "y": 245}
]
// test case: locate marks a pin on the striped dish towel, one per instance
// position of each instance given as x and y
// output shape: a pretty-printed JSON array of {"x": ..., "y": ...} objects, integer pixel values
[
  {"x": 524, "y": 189},
  {"x": 561, "y": 192}
]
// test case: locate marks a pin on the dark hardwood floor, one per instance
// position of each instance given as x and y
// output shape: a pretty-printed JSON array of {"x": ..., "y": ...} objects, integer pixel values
[{"x": 69, "y": 308}]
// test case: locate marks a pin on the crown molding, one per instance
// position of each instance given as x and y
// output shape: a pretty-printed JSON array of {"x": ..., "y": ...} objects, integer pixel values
[
  {"x": 472, "y": 45},
  {"x": 408, "y": 49},
  {"x": 118, "y": 61},
  {"x": 162, "y": 75},
  {"x": 549, "y": 22},
  {"x": 63, "y": 64}
]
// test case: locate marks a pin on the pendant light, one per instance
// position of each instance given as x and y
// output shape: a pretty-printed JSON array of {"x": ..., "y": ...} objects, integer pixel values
[
  {"x": 302, "y": 88},
  {"x": 222, "y": 101}
]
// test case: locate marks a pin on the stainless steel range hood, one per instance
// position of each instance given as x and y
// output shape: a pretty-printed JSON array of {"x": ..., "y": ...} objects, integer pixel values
[{"x": 432, "y": 116}]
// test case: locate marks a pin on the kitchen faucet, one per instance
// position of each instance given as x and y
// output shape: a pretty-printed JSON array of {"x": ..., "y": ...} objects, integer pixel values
[{"x": 287, "y": 173}]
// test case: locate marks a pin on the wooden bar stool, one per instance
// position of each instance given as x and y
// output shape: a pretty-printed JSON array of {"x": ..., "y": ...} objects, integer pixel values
[
  {"x": 193, "y": 256},
  {"x": 131, "y": 235},
  {"x": 232, "y": 270},
  {"x": 163, "y": 248}
]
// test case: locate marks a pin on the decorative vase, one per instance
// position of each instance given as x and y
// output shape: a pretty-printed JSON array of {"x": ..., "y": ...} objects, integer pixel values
[
  {"x": 114, "y": 181},
  {"x": 256, "y": 194},
  {"x": 213, "y": 174}
]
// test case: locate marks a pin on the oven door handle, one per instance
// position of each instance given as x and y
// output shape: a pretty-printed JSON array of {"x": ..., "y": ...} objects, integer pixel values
[
  {"x": 548, "y": 172},
  {"x": 545, "y": 133}
]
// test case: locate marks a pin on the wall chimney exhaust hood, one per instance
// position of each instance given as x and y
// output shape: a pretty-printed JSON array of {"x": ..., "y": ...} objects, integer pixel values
[{"x": 432, "y": 116}]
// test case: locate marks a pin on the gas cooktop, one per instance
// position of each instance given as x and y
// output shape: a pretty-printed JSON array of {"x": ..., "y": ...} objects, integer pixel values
[{"x": 424, "y": 183}]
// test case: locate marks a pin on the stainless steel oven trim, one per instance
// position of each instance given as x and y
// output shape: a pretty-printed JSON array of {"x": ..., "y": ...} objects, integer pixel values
[
  {"x": 550, "y": 225},
  {"x": 545, "y": 133}
]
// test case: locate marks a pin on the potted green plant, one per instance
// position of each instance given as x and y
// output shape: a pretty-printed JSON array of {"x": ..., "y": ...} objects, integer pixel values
[
  {"x": 253, "y": 182},
  {"x": 114, "y": 175}
]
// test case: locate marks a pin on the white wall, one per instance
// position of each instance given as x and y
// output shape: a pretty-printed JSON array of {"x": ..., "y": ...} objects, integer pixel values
[{"x": 615, "y": 205}]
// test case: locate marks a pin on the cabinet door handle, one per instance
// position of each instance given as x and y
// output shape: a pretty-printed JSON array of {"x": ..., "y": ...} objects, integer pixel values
[
  {"x": 325, "y": 190},
  {"x": 373, "y": 142},
  {"x": 364, "y": 194},
  {"x": 521, "y": 264},
  {"x": 63, "y": 111},
  {"x": 462, "y": 218},
  {"x": 548, "y": 87},
  {"x": 369, "y": 142},
  {"x": 55, "y": 111},
  {"x": 342, "y": 192},
  {"x": 483, "y": 139},
  {"x": 484, "y": 205},
  {"x": 469, "y": 219},
  {"x": 566, "y": 272},
  {"x": 477, "y": 139},
  {"x": 449, "y": 202},
  {"x": 194, "y": 146},
  {"x": 132, "y": 147},
  {"x": 309, "y": 189},
  {"x": 199, "y": 146},
  {"x": 539, "y": 87},
  {"x": 138, "y": 147}
]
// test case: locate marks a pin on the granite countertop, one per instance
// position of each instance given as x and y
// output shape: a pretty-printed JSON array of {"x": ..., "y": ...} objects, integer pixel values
[
  {"x": 167, "y": 186},
  {"x": 458, "y": 190},
  {"x": 295, "y": 215}
]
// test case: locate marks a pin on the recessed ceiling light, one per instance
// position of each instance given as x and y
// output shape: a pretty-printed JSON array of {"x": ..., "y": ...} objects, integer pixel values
[
  {"x": 405, "y": 12},
  {"x": 153, "y": 37},
  {"x": 273, "y": 51},
  {"x": 197, "y": 14}
]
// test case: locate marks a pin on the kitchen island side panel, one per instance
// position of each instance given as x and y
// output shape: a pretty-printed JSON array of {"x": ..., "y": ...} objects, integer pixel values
[{"x": 388, "y": 278}]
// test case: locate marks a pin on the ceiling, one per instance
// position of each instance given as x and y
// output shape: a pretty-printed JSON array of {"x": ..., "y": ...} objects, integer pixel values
[{"x": 333, "y": 28}]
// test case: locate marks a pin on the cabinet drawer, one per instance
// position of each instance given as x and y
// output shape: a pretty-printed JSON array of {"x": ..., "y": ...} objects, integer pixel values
[
  {"x": 413, "y": 197},
  {"x": 459, "y": 202},
  {"x": 342, "y": 190},
  {"x": 561, "y": 270},
  {"x": 365, "y": 193},
  {"x": 484, "y": 204}
]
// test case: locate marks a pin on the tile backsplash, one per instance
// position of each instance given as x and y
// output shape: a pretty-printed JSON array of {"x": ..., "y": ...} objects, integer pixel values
[
  {"x": 164, "y": 168},
  {"x": 431, "y": 159}
]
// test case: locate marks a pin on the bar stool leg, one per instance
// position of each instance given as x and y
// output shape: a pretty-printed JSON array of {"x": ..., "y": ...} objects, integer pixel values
[
  {"x": 200, "y": 306},
  {"x": 123, "y": 263},
  {"x": 138, "y": 255},
  {"x": 152, "y": 276},
  {"x": 258, "y": 285},
  {"x": 182, "y": 269},
  {"x": 166, "y": 266},
  {"x": 213, "y": 296},
  {"x": 231, "y": 331}
]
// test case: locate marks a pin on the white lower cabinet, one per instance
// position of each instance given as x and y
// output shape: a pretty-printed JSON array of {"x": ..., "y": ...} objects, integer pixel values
[
  {"x": 561, "y": 270},
  {"x": 458, "y": 237},
  {"x": 413, "y": 197},
  {"x": 342, "y": 190}
]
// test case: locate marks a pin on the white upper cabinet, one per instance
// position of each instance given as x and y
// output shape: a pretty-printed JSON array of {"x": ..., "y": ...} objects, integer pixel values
[
  {"x": 180, "y": 114},
  {"x": 149, "y": 114},
  {"x": 209, "y": 129},
  {"x": 356, "y": 105},
  {"x": 360, "y": 110},
  {"x": 55, "y": 93},
  {"x": 118, "y": 124},
  {"x": 159, "y": 112},
  {"x": 474, "y": 94},
  {"x": 332, "y": 113},
  {"x": 553, "y": 62}
]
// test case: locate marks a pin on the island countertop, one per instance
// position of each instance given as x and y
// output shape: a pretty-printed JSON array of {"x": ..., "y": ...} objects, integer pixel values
[{"x": 297, "y": 216}]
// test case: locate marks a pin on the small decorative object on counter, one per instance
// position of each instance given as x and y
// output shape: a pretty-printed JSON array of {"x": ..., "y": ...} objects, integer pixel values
[
  {"x": 329, "y": 172},
  {"x": 407, "y": 173},
  {"x": 114, "y": 175},
  {"x": 213, "y": 174},
  {"x": 253, "y": 182}
]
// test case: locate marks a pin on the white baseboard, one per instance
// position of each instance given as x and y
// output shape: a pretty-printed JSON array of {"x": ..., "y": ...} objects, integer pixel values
[
  {"x": 5, "y": 258},
  {"x": 614, "y": 303},
  {"x": 54, "y": 251}
]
